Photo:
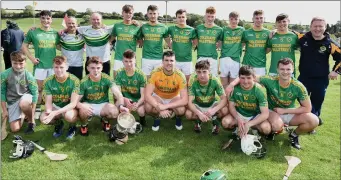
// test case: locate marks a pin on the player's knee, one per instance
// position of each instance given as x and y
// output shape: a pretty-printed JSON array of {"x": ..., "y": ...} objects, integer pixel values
[
  {"x": 277, "y": 126},
  {"x": 113, "y": 111},
  {"x": 15, "y": 129},
  {"x": 71, "y": 116},
  {"x": 141, "y": 111},
  {"x": 188, "y": 114},
  {"x": 148, "y": 108},
  {"x": 24, "y": 105},
  {"x": 265, "y": 127},
  {"x": 224, "y": 111},
  {"x": 311, "y": 119},
  {"x": 226, "y": 122},
  {"x": 180, "y": 111}
]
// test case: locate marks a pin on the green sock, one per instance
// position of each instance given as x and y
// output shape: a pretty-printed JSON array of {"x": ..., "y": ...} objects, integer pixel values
[
  {"x": 198, "y": 122},
  {"x": 215, "y": 122}
]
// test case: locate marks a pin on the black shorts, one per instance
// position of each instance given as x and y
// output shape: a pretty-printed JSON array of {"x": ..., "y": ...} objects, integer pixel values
[
  {"x": 7, "y": 59},
  {"x": 77, "y": 71},
  {"x": 106, "y": 67}
]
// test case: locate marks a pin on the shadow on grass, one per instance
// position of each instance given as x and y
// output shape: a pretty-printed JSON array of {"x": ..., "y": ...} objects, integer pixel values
[{"x": 193, "y": 152}]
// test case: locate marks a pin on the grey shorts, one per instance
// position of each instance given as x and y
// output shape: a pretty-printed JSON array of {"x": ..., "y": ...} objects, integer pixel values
[
  {"x": 14, "y": 111},
  {"x": 205, "y": 109}
]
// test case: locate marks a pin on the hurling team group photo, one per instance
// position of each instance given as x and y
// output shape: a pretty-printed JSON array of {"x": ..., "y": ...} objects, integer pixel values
[{"x": 204, "y": 75}]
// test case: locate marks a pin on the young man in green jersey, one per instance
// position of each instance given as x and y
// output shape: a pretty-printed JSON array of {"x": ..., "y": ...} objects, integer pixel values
[
  {"x": 208, "y": 35},
  {"x": 248, "y": 105},
  {"x": 282, "y": 44},
  {"x": 94, "y": 97},
  {"x": 183, "y": 37},
  {"x": 126, "y": 34},
  {"x": 19, "y": 94},
  {"x": 72, "y": 47},
  {"x": 255, "y": 40},
  {"x": 44, "y": 40},
  {"x": 132, "y": 82},
  {"x": 202, "y": 103},
  {"x": 166, "y": 92},
  {"x": 282, "y": 91},
  {"x": 61, "y": 97},
  {"x": 231, "y": 50},
  {"x": 152, "y": 34}
]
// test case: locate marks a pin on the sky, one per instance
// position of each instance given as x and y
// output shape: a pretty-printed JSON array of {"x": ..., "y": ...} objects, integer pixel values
[{"x": 298, "y": 11}]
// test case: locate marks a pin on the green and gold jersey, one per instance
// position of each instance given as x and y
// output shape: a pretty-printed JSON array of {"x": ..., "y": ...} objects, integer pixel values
[
  {"x": 255, "y": 47},
  {"x": 95, "y": 92},
  {"x": 248, "y": 102},
  {"x": 153, "y": 36},
  {"x": 282, "y": 46},
  {"x": 231, "y": 43},
  {"x": 131, "y": 85},
  {"x": 283, "y": 97},
  {"x": 182, "y": 42},
  {"x": 61, "y": 91},
  {"x": 72, "y": 48},
  {"x": 204, "y": 95},
  {"x": 207, "y": 39},
  {"x": 44, "y": 43},
  {"x": 126, "y": 37}
]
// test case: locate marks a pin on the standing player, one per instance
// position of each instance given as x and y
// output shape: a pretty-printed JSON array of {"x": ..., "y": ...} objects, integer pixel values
[
  {"x": 231, "y": 50},
  {"x": 132, "y": 81},
  {"x": 248, "y": 105},
  {"x": 61, "y": 97},
  {"x": 152, "y": 34},
  {"x": 20, "y": 91},
  {"x": 72, "y": 44},
  {"x": 126, "y": 34},
  {"x": 202, "y": 103},
  {"x": 256, "y": 44},
  {"x": 182, "y": 39},
  {"x": 97, "y": 38},
  {"x": 209, "y": 34},
  {"x": 44, "y": 40},
  {"x": 166, "y": 92},
  {"x": 94, "y": 97},
  {"x": 282, "y": 44}
]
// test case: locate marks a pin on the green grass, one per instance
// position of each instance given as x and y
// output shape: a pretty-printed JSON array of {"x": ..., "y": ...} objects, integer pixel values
[{"x": 172, "y": 154}]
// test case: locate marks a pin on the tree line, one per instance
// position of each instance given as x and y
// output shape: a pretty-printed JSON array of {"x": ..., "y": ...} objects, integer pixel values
[{"x": 192, "y": 19}]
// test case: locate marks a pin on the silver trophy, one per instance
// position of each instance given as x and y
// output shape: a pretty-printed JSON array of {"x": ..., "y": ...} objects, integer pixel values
[{"x": 125, "y": 124}]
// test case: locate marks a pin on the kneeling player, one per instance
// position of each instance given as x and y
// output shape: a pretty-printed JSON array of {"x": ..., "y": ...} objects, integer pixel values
[
  {"x": 94, "y": 97},
  {"x": 132, "y": 82},
  {"x": 248, "y": 105},
  {"x": 166, "y": 92},
  {"x": 20, "y": 90},
  {"x": 61, "y": 97},
  {"x": 202, "y": 104}
]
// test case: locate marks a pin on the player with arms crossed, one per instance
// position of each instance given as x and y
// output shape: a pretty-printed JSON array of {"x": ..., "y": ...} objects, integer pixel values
[
  {"x": 19, "y": 90},
  {"x": 61, "y": 97},
  {"x": 166, "y": 92},
  {"x": 209, "y": 34},
  {"x": 152, "y": 34},
  {"x": 44, "y": 40},
  {"x": 231, "y": 50},
  {"x": 94, "y": 97},
  {"x": 126, "y": 34},
  {"x": 132, "y": 82},
  {"x": 183, "y": 38},
  {"x": 248, "y": 105},
  {"x": 202, "y": 103},
  {"x": 256, "y": 40}
]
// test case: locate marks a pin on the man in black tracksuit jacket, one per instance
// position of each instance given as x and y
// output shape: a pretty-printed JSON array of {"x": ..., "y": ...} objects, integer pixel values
[{"x": 316, "y": 47}]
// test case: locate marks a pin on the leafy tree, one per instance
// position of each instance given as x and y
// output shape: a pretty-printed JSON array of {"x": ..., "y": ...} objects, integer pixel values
[
  {"x": 86, "y": 20},
  {"x": 88, "y": 11},
  {"x": 71, "y": 12},
  {"x": 29, "y": 11},
  {"x": 138, "y": 16},
  {"x": 247, "y": 25}
]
